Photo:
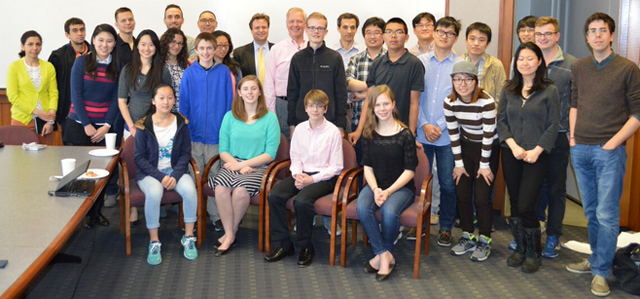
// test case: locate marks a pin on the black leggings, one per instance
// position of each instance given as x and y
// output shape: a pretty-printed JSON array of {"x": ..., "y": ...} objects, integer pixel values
[{"x": 524, "y": 181}]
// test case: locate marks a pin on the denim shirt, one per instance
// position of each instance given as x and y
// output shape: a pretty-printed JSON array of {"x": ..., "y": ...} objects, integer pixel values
[{"x": 437, "y": 86}]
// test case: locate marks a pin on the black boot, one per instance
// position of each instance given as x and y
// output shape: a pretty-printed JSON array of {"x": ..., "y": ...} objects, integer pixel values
[
  {"x": 533, "y": 253},
  {"x": 517, "y": 257}
]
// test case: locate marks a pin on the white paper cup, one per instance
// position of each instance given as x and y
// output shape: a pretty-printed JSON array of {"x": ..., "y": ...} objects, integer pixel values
[
  {"x": 68, "y": 165},
  {"x": 110, "y": 140}
]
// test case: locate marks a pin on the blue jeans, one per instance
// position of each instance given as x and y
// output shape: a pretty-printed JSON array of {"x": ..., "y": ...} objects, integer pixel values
[
  {"x": 600, "y": 175},
  {"x": 153, "y": 191},
  {"x": 448, "y": 202},
  {"x": 390, "y": 211}
]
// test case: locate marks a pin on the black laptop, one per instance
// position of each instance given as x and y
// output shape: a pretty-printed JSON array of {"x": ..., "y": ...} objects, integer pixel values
[{"x": 70, "y": 185}]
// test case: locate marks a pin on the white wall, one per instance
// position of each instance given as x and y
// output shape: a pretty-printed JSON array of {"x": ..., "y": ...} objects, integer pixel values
[
  {"x": 486, "y": 11},
  {"x": 48, "y": 17}
]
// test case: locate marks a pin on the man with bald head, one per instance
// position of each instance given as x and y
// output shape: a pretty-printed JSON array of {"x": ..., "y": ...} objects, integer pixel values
[
  {"x": 277, "y": 70},
  {"x": 207, "y": 21}
]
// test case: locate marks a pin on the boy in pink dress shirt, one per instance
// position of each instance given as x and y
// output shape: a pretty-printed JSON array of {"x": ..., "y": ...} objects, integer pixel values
[{"x": 316, "y": 162}]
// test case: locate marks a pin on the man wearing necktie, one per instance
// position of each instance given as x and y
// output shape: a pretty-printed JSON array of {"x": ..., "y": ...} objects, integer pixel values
[{"x": 252, "y": 57}]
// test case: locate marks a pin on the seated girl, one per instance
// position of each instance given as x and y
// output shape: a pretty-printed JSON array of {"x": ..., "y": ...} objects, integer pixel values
[
  {"x": 162, "y": 155},
  {"x": 249, "y": 139}
]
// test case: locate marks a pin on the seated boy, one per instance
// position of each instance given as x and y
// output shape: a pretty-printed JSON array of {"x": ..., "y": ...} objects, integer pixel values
[{"x": 316, "y": 162}]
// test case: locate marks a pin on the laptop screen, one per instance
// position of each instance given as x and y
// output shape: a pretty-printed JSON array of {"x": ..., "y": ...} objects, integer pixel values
[{"x": 73, "y": 175}]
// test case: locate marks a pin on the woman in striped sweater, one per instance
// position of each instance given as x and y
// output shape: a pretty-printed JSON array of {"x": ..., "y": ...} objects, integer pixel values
[
  {"x": 471, "y": 121},
  {"x": 94, "y": 102}
]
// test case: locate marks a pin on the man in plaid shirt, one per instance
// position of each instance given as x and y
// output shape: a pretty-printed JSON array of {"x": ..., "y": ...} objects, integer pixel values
[{"x": 358, "y": 68}]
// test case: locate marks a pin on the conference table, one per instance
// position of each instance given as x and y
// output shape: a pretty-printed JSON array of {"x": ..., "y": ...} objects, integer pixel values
[{"x": 33, "y": 225}]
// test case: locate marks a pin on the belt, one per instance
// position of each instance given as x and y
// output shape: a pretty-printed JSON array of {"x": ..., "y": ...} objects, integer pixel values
[{"x": 282, "y": 98}]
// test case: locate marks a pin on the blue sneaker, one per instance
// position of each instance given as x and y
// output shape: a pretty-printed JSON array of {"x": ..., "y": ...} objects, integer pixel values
[
  {"x": 190, "y": 250},
  {"x": 553, "y": 247},
  {"x": 513, "y": 245},
  {"x": 154, "y": 258}
]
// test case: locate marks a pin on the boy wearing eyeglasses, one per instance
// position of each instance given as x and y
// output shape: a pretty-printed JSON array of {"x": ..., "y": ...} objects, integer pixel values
[
  {"x": 605, "y": 112},
  {"x": 317, "y": 67},
  {"x": 559, "y": 64},
  {"x": 491, "y": 75},
  {"x": 432, "y": 127}
]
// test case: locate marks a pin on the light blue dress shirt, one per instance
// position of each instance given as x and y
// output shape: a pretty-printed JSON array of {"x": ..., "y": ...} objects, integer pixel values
[{"x": 437, "y": 86}]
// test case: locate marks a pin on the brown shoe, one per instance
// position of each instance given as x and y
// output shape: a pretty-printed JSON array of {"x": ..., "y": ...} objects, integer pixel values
[{"x": 599, "y": 286}]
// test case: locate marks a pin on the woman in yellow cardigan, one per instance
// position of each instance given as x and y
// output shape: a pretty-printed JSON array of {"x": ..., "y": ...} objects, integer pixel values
[{"x": 32, "y": 89}]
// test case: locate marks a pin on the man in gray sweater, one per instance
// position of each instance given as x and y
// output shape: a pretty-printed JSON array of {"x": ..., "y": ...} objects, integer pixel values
[{"x": 605, "y": 112}]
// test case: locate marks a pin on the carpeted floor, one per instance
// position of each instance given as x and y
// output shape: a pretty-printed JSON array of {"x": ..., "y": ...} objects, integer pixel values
[{"x": 106, "y": 272}]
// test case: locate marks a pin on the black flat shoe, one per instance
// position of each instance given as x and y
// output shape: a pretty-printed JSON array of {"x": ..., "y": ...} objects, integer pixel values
[
  {"x": 369, "y": 269},
  {"x": 279, "y": 254},
  {"x": 306, "y": 257},
  {"x": 220, "y": 252},
  {"x": 383, "y": 277},
  {"x": 101, "y": 220},
  {"x": 134, "y": 223},
  {"x": 216, "y": 244},
  {"x": 89, "y": 223}
]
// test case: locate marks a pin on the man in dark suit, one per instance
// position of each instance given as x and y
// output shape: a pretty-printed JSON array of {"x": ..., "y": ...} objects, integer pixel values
[{"x": 249, "y": 56}]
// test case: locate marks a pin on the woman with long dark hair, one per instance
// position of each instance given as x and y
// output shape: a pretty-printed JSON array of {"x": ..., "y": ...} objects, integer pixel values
[
  {"x": 138, "y": 79},
  {"x": 389, "y": 159},
  {"x": 175, "y": 57},
  {"x": 222, "y": 54},
  {"x": 94, "y": 102},
  {"x": 162, "y": 154},
  {"x": 528, "y": 117},
  {"x": 32, "y": 89}
]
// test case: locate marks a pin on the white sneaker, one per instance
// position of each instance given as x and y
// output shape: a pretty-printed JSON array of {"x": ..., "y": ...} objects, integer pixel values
[
  {"x": 327, "y": 225},
  {"x": 109, "y": 201}
]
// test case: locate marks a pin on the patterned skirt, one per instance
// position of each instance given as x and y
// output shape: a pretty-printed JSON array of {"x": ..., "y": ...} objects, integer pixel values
[{"x": 233, "y": 179}]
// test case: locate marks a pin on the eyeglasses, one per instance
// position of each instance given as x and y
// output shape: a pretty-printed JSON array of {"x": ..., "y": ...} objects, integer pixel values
[
  {"x": 423, "y": 26},
  {"x": 447, "y": 33},
  {"x": 316, "y": 106},
  {"x": 467, "y": 81},
  {"x": 207, "y": 21},
  {"x": 545, "y": 34},
  {"x": 397, "y": 32},
  {"x": 175, "y": 43},
  {"x": 593, "y": 31},
  {"x": 375, "y": 33},
  {"x": 318, "y": 29},
  {"x": 525, "y": 30},
  {"x": 223, "y": 46}
]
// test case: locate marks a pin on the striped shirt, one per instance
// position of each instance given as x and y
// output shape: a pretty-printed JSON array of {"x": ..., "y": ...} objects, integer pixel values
[
  {"x": 93, "y": 98},
  {"x": 358, "y": 69},
  {"x": 476, "y": 122}
]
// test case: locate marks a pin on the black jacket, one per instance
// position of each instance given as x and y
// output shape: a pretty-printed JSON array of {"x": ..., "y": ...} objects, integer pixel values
[
  {"x": 62, "y": 60},
  {"x": 245, "y": 56},
  {"x": 317, "y": 69},
  {"x": 146, "y": 152}
]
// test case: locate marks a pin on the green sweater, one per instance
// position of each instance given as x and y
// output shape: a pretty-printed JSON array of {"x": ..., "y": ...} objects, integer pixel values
[
  {"x": 245, "y": 141},
  {"x": 605, "y": 98}
]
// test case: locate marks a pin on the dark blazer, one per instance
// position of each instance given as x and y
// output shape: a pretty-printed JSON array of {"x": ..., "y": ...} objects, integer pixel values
[
  {"x": 62, "y": 60},
  {"x": 245, "y": 56}
]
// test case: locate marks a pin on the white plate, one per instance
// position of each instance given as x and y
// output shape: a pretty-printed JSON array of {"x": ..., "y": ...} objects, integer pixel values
[
  {"x": 100, "y": 172},
  {"x": 34, "y": 147},
  {"x": 103, "y": 152}
]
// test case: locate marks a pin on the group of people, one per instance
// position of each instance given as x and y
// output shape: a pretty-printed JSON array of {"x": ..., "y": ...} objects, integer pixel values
[{"x": 183, "y": 98}]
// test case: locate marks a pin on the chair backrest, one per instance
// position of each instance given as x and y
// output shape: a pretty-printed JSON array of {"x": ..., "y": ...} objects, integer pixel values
[
  {"x": 422, "y": 170},
  {"x": 283, "y": 149},
  {"x": 17, "y": 135},
  {"x": 127, "y": 155},
  {"x": 349, "y": 154}
]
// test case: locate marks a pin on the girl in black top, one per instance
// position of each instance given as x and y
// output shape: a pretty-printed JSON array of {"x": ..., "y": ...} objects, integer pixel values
[
  {"x": 389, "y": 159},
  {"x": 528, "y": 118}
]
